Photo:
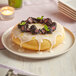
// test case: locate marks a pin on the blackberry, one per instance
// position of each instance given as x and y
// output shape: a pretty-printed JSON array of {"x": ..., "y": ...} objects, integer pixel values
[
  {"x": 53, "y": 23},
  {"x": 27, "y": 21},
  {"x": 33, "y": 27},
  {"x": 36, "y": 31},
  {"x": 33, "y": 32},
  {"x": 35, "y": 20},
  {"x": 39, "y": 31},
  {"x": 26, "y": 25},
  {"x": 23, "y": 28},
  {"x": 49, "y": 26},
  {"x": 27, "y": 30},
  {"x": 53, "y": 28},
  {"x": 48, "y": 21},
  {"x": 43, "y": 31},
  {"x": 30, "y": 20},
  {"x": 50, "y": 31},
  {"x": 41, "y": 21},
  {"x": 38, "y": 20},
  {"x": 22, "y": 21},
  {"x": 19, "y": 26}
]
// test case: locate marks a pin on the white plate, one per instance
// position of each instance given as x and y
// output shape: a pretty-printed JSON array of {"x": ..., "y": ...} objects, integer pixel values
[
  {"x": 61, "y": 49},
  {"x": 69, "y": 3},
  {"x": 66, "y": 8},
  {"x": 67, "y": 14}
]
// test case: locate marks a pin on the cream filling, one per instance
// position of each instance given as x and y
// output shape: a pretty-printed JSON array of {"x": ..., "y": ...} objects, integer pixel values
[{"x": 25, "y": 37}]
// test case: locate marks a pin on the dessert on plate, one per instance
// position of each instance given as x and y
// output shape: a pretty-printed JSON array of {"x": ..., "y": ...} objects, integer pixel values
[{"x": 38, "y": 34}]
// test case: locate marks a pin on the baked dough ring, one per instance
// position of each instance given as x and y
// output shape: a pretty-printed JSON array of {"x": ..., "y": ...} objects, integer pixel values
[{"x": 34, "y": 45}]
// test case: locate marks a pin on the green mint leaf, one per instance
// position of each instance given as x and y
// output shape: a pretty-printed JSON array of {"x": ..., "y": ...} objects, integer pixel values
[
  {"x": 22, "y": 23},
  {"x": 46, "y": 28},
  {"x": 40, "y": 18}
]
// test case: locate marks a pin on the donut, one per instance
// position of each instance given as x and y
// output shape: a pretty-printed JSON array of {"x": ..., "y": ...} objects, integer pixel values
[{"x": 39, "y": 35}]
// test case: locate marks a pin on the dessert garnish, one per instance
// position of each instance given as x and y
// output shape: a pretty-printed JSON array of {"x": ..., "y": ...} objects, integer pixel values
[
  {"x": 40, "y": 18},
  {"x": 48, "y": 28}
]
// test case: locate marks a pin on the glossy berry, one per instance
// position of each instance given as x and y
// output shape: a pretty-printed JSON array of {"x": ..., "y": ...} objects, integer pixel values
[
  {"x": 43, "y": 31},
  {"x": 48, "y": 21},
  {"x": 33, "y": 32},
  {"x": 50, "y": 31},
  {"x": 30, "y": 20},
  {"x": 23, "y": 28},
  {"x": 27, "y": 30},
  {"x": 41, "y": 21},
  {"x": 22, "y": 21},
  {"x": 38, "y": 20},
  {"x": 35, "y": 20},
  {"x": 33, "y": 27},
  {"x": 19, "y": 26},
  {"x": 53, "y": 28},
  {"x": 39, "y": 31},
  {"x": 26, "y": 26},
  {"x": 49, "y": 26},
  {"x": 36, "y": 31},
  {"x": 53, "y": 23}
]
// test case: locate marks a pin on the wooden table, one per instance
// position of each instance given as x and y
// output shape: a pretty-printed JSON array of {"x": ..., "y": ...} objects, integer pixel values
[{"x": 64, "y": 65}]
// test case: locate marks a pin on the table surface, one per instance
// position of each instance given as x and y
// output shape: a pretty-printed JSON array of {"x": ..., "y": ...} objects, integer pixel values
[{"x": 64, "y": 65}]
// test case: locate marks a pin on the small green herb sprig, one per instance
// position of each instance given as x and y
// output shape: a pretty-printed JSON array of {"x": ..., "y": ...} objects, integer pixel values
[
  {"x": 22, "y": 23},
  {"x": 40, "y": 18},
  {"x": 46, "y": 28}
]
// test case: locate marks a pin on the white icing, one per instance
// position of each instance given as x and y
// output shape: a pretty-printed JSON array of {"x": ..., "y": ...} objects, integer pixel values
[{"x": 26, "y": 36}]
